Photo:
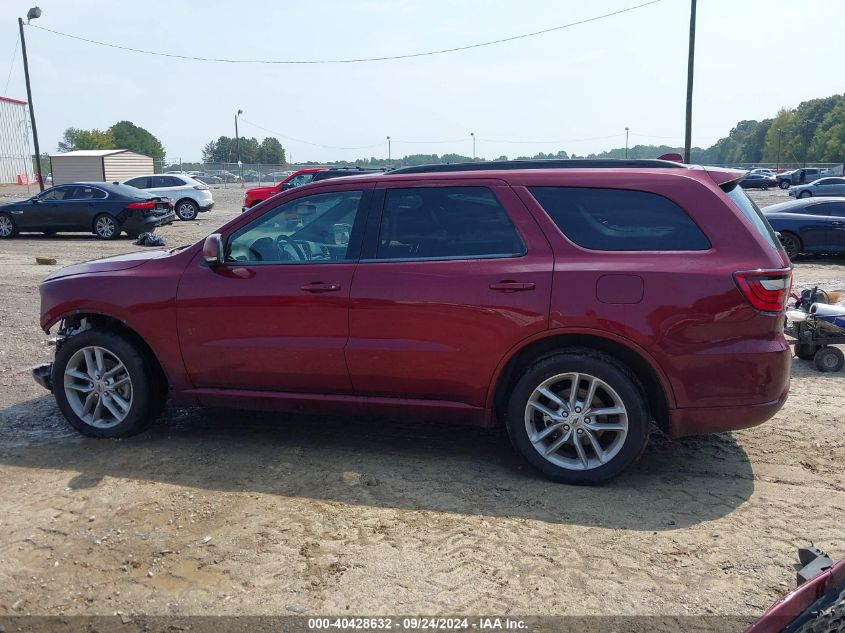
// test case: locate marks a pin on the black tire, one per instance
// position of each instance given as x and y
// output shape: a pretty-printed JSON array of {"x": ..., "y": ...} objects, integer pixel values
[
  {"x": 791, "y": 244},
  {"x": 764, "y": 186},
  {"x": 806, "y": 351},
  {"x": 145, "y": 402},
  {"x": 587, "y": 363},
  {"x": 784, "y": 184},
  {"x": 8, "y": 227},
  {"x": 106, "y": 227},
  {"x": 829, "y": 359},
  {"x": 805, "y": 194},
  {"x": 186, "y": 210}
]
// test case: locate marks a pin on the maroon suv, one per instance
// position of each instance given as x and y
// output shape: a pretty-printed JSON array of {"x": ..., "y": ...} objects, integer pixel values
[{"x": 573, "y": 301}]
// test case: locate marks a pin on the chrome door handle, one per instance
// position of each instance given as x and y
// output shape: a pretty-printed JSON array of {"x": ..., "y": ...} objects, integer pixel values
[
  {"x": 319, "y": 286},
  {"x": 512, "y": 286}
]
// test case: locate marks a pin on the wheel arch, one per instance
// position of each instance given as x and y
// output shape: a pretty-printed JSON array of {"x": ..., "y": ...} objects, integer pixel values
[
  {"x": 118, "y": 326},
  {"x": 186, "y": 199},
  {"x": 650, "y": 378}
]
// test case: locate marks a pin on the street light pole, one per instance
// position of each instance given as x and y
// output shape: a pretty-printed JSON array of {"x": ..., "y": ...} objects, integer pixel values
[
  {"x": 238, "y": 148},
  {"x": 690, "y": 66},
  {"x": 33, "y": 13},
  {"x": 780, "y": 135},
  {"x": 388, "y": 150},
  {"x": 626, "y": 142},
  {"x": 472, "y": 134}
]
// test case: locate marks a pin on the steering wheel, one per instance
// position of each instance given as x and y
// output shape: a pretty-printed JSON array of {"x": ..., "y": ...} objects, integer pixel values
[{"x": 282, "y": 241}]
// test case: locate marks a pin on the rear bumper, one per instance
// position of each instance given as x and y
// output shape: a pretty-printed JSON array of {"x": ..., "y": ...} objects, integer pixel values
[
  {"x": 702, "y": 420},
  {"x": 206, "y": 207},
  {"x": 43, "y": 375}
]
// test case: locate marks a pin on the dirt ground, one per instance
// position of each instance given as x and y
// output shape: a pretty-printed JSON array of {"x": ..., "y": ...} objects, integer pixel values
[{"x": 231, "y": 513}]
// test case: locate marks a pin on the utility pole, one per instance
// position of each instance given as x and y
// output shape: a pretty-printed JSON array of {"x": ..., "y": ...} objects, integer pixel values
[
  {"x": 690, "y": 66},
  {"x": 33, "y": 13},
  {"x": 238, "y": 148},
  {"x": 780, "y": 135},
  {"x": 472, "y": 134},
  {"x": 626, "y": 142},
  {"x": 388, "y": 150}
]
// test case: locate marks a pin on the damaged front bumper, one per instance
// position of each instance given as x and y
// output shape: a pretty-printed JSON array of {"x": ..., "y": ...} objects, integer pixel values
[{"x": 43, "y": 375}]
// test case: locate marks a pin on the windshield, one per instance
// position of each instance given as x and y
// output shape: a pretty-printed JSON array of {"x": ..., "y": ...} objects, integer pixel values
[{"x": 751, "y": 211}]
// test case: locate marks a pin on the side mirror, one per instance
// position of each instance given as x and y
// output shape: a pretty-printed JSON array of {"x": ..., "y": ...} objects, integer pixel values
[
  {"x": 212, "y": 250},
  {"x": 287, "y": 186},
  {"x": 35, "y": 200}
]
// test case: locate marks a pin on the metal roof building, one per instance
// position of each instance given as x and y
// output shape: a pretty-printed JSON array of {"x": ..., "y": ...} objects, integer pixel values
[
  {"x": 15, "y": 152},
  {"x": 104, "y": 165}
]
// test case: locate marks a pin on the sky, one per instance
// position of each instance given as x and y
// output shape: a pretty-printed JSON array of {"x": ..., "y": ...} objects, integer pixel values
[{"x": 574, "y": 89}]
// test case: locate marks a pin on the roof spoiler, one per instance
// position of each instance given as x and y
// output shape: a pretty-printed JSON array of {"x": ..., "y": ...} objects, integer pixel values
[{"x": 727, "y": 179}]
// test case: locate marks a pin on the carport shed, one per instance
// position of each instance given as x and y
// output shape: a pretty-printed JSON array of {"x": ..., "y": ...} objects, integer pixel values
[{"x": 103, "y": 165}]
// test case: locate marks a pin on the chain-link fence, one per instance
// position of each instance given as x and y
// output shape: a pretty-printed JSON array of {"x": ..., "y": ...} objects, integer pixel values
[{"x": 229, "y": 174}]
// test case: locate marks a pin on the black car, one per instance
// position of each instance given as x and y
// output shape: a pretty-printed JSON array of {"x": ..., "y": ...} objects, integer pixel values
[
  {"x": 809, "y": 225},
  {"x": 758, "y": 181},
  {"x": 92, "y": 207}
]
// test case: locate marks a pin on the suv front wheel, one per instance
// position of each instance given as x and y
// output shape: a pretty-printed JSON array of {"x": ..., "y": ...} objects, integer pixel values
[
  {"x": 102, "y": 385},
  {"x": 578, "y": 418}
]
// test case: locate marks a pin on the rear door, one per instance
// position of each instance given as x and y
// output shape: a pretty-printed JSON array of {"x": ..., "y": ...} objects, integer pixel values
[
  {"x": 454, "y": 274},
  {"x": 814, "y": 226},
  {"x": 836, "y": 225}
]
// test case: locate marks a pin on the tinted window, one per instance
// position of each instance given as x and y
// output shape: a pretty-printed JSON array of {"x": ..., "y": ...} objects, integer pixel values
[
  {"x": 141, "y": 183},
  {"x": 445, "y": 223},
  {"x": 820, "y": 208},
  {"x": 620, "y": 220},
  {"x": 753, "y": 214},
  {"x": 165, "y": 181},
  {"x": 59, "y": 193},
  {"x": 85, "y": 193},
  {"x": 314, "y": 228},
  {"x": 837, "y": 209},
  {"x": 301, "y": 179}
]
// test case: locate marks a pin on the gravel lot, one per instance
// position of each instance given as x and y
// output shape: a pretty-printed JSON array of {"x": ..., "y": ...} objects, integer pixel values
[{"x": 233, "y": 513}]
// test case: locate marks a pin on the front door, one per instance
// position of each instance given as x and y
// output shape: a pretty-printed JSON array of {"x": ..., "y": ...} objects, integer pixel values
[
  {"x": 453, "y": 276},
  {"x": 275, "y": 316}
]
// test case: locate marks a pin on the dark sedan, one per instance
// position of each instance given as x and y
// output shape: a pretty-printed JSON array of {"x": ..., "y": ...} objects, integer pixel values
[
  {"x": 758, "y": 181},
  {"x": 809, "y": 225},
  {"x": 100, "y": 208}
]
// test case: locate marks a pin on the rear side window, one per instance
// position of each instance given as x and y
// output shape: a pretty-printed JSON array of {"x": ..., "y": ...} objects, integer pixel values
[
  {"x": 620, "y": 220},
  {"x": 446, "y": 223},
  {"x": 753, "y": 214}
]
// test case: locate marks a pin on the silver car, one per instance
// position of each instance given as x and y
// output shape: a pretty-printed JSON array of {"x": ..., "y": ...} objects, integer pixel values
[{"x": 820, "y": 187}]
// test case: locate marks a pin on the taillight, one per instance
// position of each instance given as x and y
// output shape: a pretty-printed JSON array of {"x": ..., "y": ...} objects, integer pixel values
[
  {"x": 148, "y": 204},
  {"x": 201, "y": 187},
  {"x": 766, "y": 290}
]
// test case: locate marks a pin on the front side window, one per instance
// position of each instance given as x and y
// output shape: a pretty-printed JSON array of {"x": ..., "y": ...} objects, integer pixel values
[
  {"x": 301, "y": 179},
  {"x": 85, "y": 193},
  {"x": 620, "y": 220},
  {"x": 58, "y": 193},
  {"x": 445, "y": 223},
  {"x": 314, "y": 228}
]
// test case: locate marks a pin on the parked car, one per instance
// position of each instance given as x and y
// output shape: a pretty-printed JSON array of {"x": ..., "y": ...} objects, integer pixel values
[
  {"x": 809, "y": 225},
  {"x": 207, "y": 179},
  {"x": 758, "y": 181},
  {"x": 251, "y": 176},
  {"x": 572, "y": 301},
  {"x": 258, "y": 194},
  {"x": 224, "y": 175},
  {"x": 764, "y": 172},
  {"x": 820, "y": 187},
  {"x": 100, "y": 208},
  {"x": 190, "y": 196},
  {"x": 801, "y": 176}
]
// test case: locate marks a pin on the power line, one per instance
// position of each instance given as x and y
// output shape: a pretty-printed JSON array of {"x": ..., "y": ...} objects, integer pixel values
[
  {"x": 570, "y": 140},
  {"x": 11, "y": 66},
  {"x": 353, "y": 60}
]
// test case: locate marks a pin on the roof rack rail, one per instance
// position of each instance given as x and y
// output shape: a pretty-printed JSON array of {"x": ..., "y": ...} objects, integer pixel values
[{"x": 576, "y": 163}]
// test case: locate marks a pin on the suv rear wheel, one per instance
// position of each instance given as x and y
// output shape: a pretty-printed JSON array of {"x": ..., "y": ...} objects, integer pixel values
[
  {"x": 103, "y": 386},
  {"x": 187, "y": 210},
  {"x": 578, "y": 417}
]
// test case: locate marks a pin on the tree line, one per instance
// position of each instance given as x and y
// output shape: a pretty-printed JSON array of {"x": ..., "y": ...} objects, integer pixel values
[{"x": 812, "y": 132}]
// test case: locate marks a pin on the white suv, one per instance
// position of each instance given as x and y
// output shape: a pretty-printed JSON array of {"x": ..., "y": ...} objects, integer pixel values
[{"x": 190, "y": 197}]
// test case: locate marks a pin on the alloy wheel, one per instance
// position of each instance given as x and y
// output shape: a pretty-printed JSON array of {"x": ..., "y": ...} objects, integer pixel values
[
  {"x": 98, "y": 387},
  {"x": 6, "y": 226},
  {"x": 576, "y": 421},
  {"x": 105, "y": 226}
]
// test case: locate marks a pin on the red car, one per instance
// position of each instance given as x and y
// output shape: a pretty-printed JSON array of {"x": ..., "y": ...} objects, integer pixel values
[
  {"x": 573, "y": 301},
  {"x": 259, "y": 194}
]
